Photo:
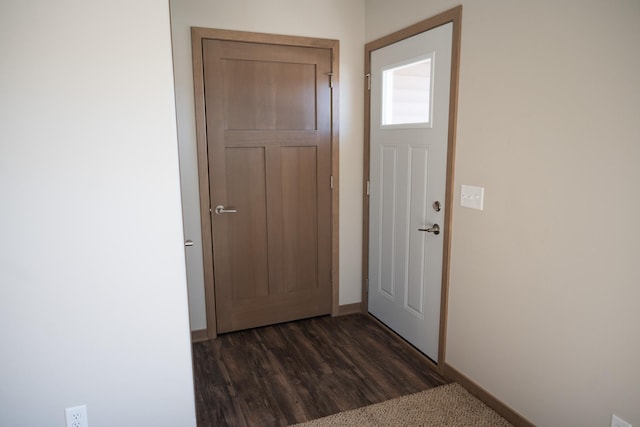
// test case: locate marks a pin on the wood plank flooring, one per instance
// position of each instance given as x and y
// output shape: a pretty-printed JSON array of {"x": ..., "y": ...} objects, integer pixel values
[{"x": 293, "y": 372}]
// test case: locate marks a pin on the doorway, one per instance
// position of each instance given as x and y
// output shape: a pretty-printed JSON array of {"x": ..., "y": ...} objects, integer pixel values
[
  {"x": 410, "y": 117},
  {"x": 267, "y": 155}
]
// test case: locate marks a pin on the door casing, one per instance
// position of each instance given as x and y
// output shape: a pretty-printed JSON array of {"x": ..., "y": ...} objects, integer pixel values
[
  {"x": 455, "y": 17},
  {"x": 199, "y": 34}
]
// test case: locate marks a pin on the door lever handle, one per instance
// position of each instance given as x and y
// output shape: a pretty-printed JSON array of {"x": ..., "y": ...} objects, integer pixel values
[
  {"x": 435, "y": 229},
  {"x": 219, "y": 210}
]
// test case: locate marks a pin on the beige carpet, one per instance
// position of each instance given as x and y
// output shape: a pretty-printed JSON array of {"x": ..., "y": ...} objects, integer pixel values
[{"x": 447, "y": 405}]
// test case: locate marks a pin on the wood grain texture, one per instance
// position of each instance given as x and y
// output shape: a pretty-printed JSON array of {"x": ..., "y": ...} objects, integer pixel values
[
  {"x": 203, "y": 182},
  {"x": 335, "y": 173},
  {"x": 299, "y": 132},
  {"x": 199, "y": 335},
  {"x": 268, "y": 95},
  {"x": 294, "y": 372},
  {"x": 247, "y": 228},
  {"x": 365, "y": 181},
  {"x": 300, "y": 217},
  {"x": 266, "y": 92},
  {"x": 347, "y": 309},
  {"x": 455, "y": 15},
  {"x": 248, "y": 36}
]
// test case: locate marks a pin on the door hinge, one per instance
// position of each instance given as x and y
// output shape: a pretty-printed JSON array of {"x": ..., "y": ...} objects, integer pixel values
[
  {"x": 368, "y": 188},
  {"x": 330, "y": 80},
  {"x": 331, "y": 182},
  {"x": 368, "y": 76}
]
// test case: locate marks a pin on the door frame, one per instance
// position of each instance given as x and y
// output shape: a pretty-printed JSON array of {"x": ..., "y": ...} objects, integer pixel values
[
  {"x": 198, "y": 34},
  {"x": 455, "y": 17}
]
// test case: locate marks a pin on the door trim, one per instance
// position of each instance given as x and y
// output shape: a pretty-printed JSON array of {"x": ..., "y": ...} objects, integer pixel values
[
  {"x": 455, "y": 17},
  {"x": 199, "y": 34}
]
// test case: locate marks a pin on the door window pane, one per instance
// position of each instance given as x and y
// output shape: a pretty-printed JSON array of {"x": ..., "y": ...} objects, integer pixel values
[{"x": 406, "y": 93}]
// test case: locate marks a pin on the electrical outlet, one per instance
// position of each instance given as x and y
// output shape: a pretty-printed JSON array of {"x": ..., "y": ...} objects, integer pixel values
[
  {"x": 618, "y": 422},
  {"x": 76, "y": 416}
]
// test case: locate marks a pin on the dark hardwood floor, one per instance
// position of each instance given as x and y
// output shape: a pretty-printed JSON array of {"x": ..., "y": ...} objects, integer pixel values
[{"x": 293, "y": 372}]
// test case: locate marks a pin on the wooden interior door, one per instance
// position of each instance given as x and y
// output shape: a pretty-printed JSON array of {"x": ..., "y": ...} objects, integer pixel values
[{"x": 268, "y": 118}]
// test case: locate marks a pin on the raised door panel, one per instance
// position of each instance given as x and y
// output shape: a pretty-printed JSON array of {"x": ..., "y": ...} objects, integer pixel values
[
  {"x": 269, "y": 140},
  {"x": 300, "y": 212},
  {"x": 262, "y": 95},
  {"x": 247, "y": 228}
]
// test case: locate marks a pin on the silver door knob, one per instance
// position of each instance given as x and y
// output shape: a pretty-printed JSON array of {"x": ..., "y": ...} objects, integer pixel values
[
  {"x": 188, "y": 242},
  {"x": 219, "y": 210},
  {"x": 435, "y": 229}
]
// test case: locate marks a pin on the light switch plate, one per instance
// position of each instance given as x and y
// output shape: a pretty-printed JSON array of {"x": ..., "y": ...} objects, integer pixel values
[{"x": 472, "y": 197}]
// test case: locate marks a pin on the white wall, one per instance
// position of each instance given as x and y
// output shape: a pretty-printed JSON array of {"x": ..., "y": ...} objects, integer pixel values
[
  {"x": 545, "y": 282},
  {"x": 93, "y": 302},
  {"x": 334, "y": 19}
]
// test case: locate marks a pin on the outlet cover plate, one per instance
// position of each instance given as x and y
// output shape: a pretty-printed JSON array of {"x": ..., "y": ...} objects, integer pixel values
[
  {"x": 472, "y": 197},
  {"x": 618, "y": 422},
  {"x": 76, "y": 416}
]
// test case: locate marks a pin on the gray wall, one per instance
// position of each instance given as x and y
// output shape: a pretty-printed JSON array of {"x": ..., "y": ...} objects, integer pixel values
[
  {"x": 93, "y": 301},
  {"x": 545, "y": 282}
]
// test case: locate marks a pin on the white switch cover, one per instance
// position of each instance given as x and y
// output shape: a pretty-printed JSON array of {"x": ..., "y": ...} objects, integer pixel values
[{"x": 472, "y": 197}]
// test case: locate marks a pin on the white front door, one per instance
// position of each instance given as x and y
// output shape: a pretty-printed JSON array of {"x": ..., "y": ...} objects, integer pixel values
[{"x": 410, "y": 83}]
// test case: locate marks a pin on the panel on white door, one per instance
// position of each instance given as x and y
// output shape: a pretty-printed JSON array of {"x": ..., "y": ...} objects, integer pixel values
[
  {"x": 417, "y": 210},
  {"x": 409, "y": 135},
  {"x": 387, "y": 233}
]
